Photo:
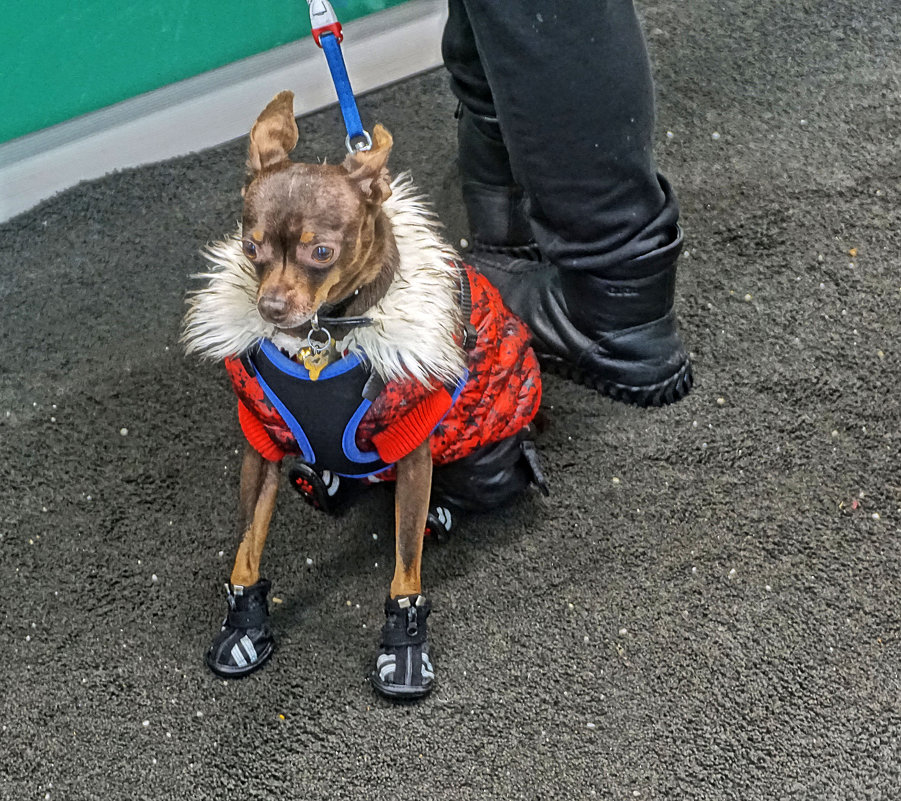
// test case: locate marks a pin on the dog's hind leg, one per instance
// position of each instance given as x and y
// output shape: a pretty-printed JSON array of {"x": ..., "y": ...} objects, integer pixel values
[
  {"x": 245, "y": 640},
  {"x": 403, "y": 667}
]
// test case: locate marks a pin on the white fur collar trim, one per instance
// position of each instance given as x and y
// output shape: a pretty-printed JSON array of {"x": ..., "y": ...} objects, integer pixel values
[{"x": 414, "y": 324}]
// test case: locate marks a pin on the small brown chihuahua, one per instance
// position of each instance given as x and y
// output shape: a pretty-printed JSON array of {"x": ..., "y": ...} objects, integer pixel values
[{"x": 357, "y": 343}]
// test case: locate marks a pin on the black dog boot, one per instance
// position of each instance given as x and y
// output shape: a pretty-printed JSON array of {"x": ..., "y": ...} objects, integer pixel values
[
  {"x": 403, "y": 669},
  {"x": 245, "y": 642},
  {"x": 440, "y": 522},
  {"x": 326, "y": 491},
  {"x": 615, "y": 332}
]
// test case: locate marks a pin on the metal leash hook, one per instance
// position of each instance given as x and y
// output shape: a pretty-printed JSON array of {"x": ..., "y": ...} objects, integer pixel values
[
  {"x": 328, "y": 34},
  {"x": 320, "y": 344}
]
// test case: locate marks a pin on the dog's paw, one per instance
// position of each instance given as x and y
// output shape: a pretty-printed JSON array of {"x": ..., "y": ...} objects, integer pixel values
[
  {"x": 245, "y": 641},
  {"x": 440, "y": 522},
  {"x": 403, "y": 668},
  {"x": 326, "y": 491}
]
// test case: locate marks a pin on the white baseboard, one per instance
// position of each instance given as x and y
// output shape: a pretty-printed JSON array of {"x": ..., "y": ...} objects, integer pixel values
[{"x": 217, "y": 106}]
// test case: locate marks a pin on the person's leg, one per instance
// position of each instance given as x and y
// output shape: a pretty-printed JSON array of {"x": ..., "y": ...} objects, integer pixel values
[
  {"x": 495, "y": 205},
  {"x": 569, "y": 98}
]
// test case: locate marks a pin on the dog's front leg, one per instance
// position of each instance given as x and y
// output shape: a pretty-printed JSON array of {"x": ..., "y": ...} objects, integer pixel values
[
  {"x": 403, "y": 668},
  {"x": 259, "y": 489},
  {"x": 245, "y": 640},
  {"x": 411, "y": 509}
]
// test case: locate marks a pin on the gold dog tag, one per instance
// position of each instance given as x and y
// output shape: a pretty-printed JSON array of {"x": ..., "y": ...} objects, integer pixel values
[
  {"x": 320, "y": 351},
  {"x": 316, "y": 362}
]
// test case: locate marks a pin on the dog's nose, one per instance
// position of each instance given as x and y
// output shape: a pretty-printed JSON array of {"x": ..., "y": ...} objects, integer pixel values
[{"x": 273, "y": 308}]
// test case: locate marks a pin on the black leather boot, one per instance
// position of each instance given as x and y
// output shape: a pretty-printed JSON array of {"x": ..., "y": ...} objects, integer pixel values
[
  {"x": 614, "y": 331},
  {"x": 495, "y": 204}
]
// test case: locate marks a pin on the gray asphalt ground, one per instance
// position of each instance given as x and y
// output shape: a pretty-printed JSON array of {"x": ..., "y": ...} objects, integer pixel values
[{"x": 707, "y": 607}]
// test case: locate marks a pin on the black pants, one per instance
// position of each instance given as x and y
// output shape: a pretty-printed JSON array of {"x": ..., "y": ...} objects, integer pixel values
[{"x": 570, "y": 86}]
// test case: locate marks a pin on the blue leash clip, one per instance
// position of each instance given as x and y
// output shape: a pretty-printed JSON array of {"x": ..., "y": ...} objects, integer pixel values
[{"x": 328, "y": 34}]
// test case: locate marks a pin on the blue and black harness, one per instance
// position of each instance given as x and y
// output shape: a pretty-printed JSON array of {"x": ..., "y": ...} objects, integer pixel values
[{"x": 330, "y": 407}]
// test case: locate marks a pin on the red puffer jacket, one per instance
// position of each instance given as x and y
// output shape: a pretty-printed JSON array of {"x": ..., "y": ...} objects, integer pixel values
[{"x": 500, "y": 397}]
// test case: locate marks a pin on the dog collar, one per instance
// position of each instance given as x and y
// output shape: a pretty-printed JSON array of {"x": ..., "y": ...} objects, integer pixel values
[
  {"x": 351, "y": 322},
  {"x": 333, "y": 315}
]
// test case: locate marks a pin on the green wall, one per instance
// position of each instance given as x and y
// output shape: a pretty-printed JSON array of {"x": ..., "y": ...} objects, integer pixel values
[{"x": 63, "y": 58}]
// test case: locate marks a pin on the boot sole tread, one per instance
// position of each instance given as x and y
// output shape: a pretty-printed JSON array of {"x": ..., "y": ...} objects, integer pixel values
[{"x": 663, "y": 393}]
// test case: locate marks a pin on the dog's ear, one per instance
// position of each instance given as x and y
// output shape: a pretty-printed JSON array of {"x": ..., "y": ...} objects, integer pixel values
[
  {"x": 367, "y": 167},
  {"x": 274, "y": 134}
]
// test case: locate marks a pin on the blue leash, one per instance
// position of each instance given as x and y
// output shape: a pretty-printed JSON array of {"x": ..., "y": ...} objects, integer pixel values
[{"x": 328, "y": 34}]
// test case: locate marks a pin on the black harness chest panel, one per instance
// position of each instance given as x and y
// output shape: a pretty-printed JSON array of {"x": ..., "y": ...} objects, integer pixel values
[{"x": 323, "y": 415}]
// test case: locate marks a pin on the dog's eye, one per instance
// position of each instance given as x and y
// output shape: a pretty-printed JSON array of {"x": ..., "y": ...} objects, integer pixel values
[
  {"x": 250, "y": 249},
  {"x": 322, "y": 253}
]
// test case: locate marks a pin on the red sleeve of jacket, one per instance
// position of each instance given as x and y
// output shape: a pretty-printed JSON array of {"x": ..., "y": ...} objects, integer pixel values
[
  {"x": 257, "y": 436},
  {"x": 262, "y": 425},
  {"x": 405, "y": 433}
]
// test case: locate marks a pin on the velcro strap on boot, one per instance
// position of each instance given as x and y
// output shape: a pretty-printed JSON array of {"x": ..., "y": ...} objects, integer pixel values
[
  {"x": 248, "y": 618},
  {"x": 405, "y": 626},
  {"x": 530, "y": 454},
  {"x": 247, "y": 605},
  {"x": 398, "y": 637}
]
